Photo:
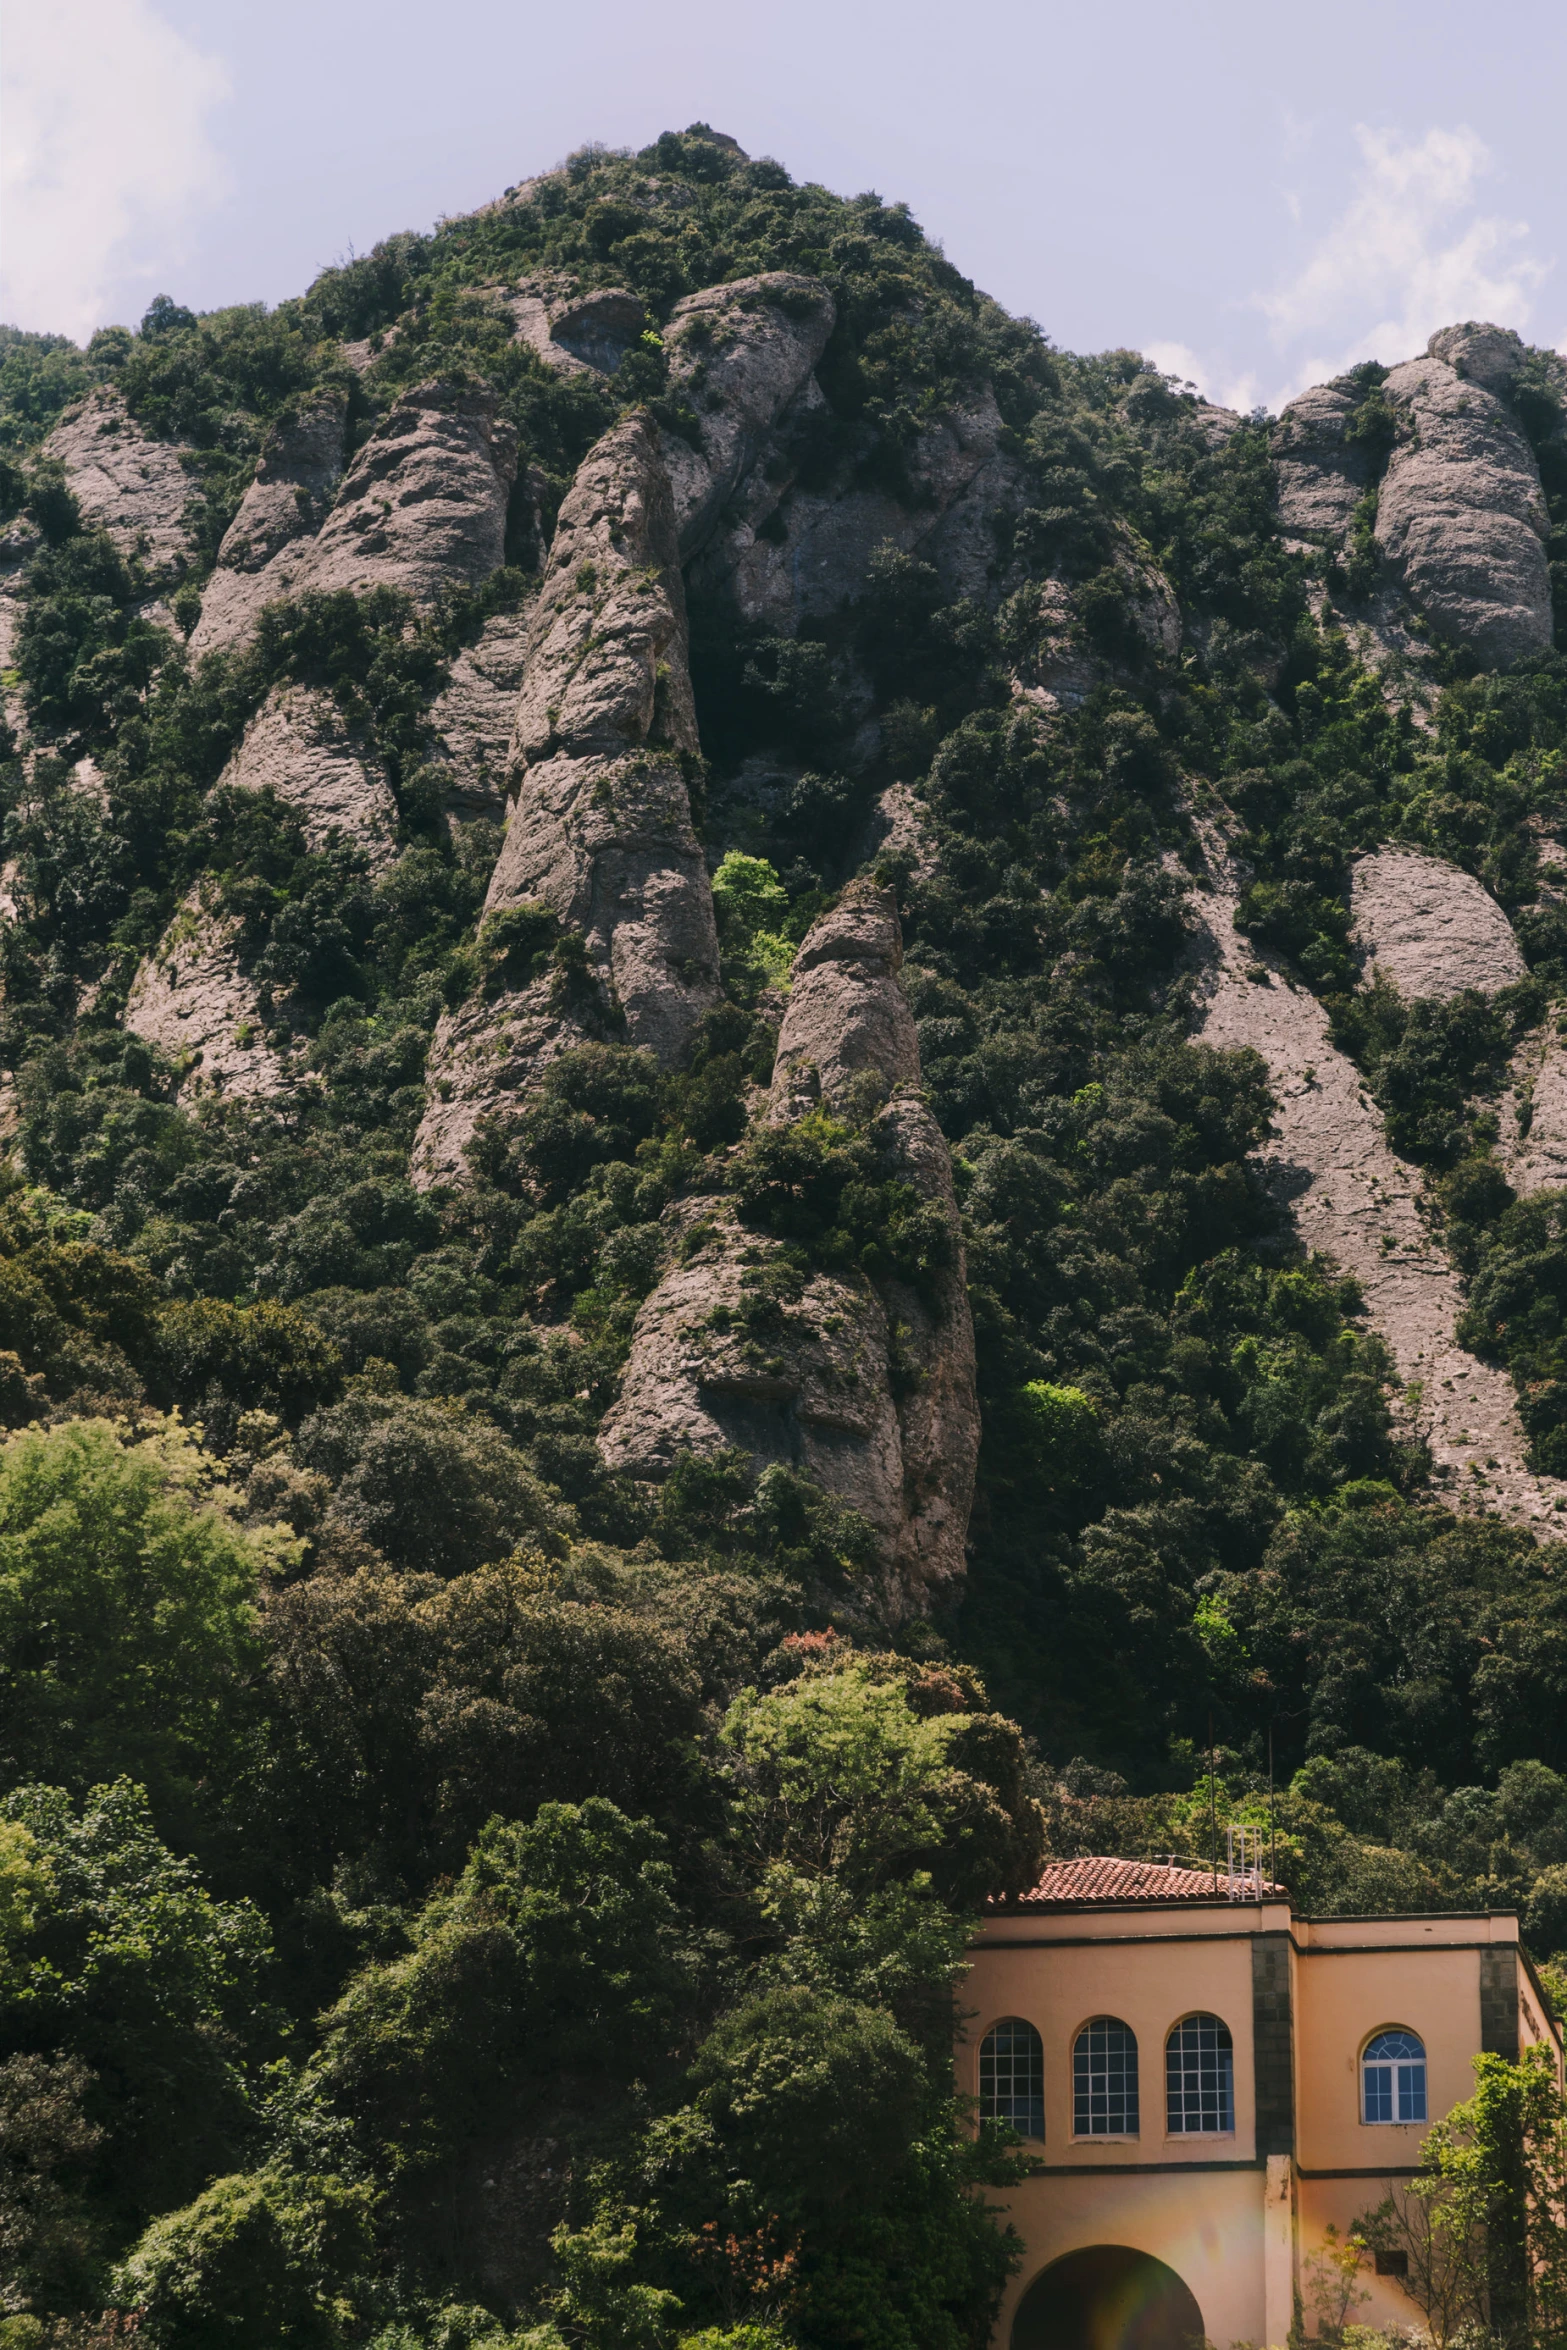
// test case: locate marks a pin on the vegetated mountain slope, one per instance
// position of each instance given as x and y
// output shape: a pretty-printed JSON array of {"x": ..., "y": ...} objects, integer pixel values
[{"x": 765, "y": 999}]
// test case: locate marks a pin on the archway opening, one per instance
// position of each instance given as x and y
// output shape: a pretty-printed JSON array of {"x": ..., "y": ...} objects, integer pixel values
[{"x": 1107, "y": 2297}]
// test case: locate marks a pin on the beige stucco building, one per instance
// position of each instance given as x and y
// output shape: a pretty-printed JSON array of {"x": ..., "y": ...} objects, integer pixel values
[{"x": 1208, "y": 2081}]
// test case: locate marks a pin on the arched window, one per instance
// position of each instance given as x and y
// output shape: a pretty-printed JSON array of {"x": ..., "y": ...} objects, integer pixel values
[
  {"x": 1012, "y": 2077},
  {"x": 1104, "y": 2080},
  {"x": 1393, "y": 2079},
  {"x": 1199, "y": 2076}
]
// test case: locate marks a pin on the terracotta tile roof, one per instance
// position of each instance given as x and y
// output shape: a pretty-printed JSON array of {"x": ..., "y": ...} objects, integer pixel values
[{"x": 1103, "y": 1880}]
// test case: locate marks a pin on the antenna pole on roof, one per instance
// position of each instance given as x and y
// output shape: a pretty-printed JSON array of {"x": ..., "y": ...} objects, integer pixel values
[
  {"x": 1213, "y": 1811},
  {"x": 1273, "y": 1842}
]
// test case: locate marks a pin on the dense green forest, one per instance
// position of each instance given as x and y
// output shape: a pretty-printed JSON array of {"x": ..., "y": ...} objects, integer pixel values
[{"x": 453, "y": 1895}]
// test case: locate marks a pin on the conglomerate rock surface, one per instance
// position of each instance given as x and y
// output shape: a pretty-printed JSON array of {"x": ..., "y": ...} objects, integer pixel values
[
  {"x": 1430, "y": 928},
  {"x": 423, "y": 505},
  {"x": 471, "y": 719},
  {"x": 192, "y": 997},
  {"x": 1461, "y": 518},
  {"x": 1322, "y": 473},
  {"x": 264, "y": 548},
  {"x": 193, "y": 1000},
  {"x": 421, "y": 509},
  {"x": 867, "y": 1385},
  {"x": 126, "y": 482},
  {"x": 742, "y": 354},
  {"x": 600, "y": 838}
]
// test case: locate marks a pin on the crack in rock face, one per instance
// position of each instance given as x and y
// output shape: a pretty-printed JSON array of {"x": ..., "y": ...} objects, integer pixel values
[
  {"x": 866, "y": 1385},
  {"x": 1430, "y": 928},
  {"x": 125, "y": 482},
  {"x": 1358, "y": 1204},
  {"x": 600, "y": 840}
]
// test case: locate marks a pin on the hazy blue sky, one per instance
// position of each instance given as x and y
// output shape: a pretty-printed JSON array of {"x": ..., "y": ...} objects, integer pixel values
[{"x": 1255, "y": 194}]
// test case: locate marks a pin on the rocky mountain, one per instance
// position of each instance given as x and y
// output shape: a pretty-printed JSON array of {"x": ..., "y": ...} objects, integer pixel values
[
  {"x": 861, "y": 521},
  {"x": 762, "y": 996}
]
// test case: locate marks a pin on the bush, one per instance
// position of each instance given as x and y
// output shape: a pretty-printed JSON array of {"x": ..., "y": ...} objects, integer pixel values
[
  {"x": 433, "y": 1487},
  {"x": 256, "y": 1355},
  {"x": 127, "y": 1608},
  {"x": 134, "y": 1975},
  {"x": 263, "y": 2260}
]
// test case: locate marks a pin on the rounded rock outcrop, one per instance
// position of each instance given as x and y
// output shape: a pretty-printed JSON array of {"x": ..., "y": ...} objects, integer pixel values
[
  {"x": 1430, "y": 928},
  {"x": 1461, "y": 518},
  {"x": 864, "y": 1383}
]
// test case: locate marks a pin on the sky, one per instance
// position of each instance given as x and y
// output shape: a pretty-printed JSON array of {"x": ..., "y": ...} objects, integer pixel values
[{"x": 1254, "y": 195}]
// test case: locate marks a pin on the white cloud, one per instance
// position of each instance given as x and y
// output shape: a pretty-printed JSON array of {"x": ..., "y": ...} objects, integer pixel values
[
  {"x": 1409, "y": 253},
  {"x": 1216, "y": 379},
  {"x": 108, "y": 155}
]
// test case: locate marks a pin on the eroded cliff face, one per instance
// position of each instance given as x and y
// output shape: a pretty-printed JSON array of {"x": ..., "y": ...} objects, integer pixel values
[
  {"x": 192, "y": 996},
  {"x": 423, "y": 505},
  {"x": 193, "y": 1000},
  {"x": 1060, "y": 667},
  {"x": 1428, "y": 928},
  {"x": 263, "y": 552},
  {"x": 1460, "y": 518},
  {"x": 600, "y": 839},
  {"x": 866, "y": 1385},
  {"x": 1322, "y": 473},
  {"x": 743, "y": 355},
  {"x": 1349, "y": 1194},
  {"x": 472, "y": 719},
  {"x": 421, "y": 509},
  {"x": 126, "y": 483}
]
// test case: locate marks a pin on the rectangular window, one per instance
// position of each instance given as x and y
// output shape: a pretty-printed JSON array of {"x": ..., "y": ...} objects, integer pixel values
[
  {"x": 1392, "y": 2264},
  {"x": 1411, "y": 2092},
  {"x": 1379, "y": 2092}
]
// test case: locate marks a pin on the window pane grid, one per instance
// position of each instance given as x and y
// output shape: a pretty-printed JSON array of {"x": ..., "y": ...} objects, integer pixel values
[
  {"x": 1393, "y": 2079},
  {"x": 1200, "y": 2076},
  {"x": 1104, "y": 2081},
  {"x": 1012, "y": 2077}
]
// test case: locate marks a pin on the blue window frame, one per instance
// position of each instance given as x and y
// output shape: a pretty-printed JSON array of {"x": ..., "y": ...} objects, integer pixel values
[
  {"x": 1393, "y": 2079},
  {"x": 1104, "y": 2080},
  {"x": 1012, "y": 2077},
  {"x": 1199, "y": 2076}
]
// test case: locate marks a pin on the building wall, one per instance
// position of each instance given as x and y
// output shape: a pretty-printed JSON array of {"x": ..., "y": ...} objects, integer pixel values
[
  {"x": 1236, "y": 2217},
  {"x": 1343, "y": 1996},
  {"x": 1149, "y": 1987},
  {"x": 1206, "y": 2225}
]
